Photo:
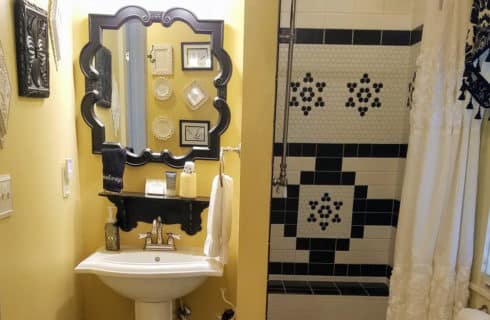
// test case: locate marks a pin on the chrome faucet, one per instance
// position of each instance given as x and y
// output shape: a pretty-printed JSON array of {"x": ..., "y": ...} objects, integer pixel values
[{"x": 154, "y": 239}]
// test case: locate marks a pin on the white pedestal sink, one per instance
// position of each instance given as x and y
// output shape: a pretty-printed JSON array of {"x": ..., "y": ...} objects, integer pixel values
[{"x": 152, "y": 278}]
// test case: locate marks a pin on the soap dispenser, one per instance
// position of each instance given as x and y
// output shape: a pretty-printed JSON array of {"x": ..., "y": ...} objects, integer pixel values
[
  {"x": 188, "y": 181},
  {"x": 112, "y": 231}
]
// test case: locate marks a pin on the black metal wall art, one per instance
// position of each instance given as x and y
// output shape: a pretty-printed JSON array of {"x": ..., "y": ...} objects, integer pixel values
[
  {"x": 32, "y": 45},
  {"x": 214, "y": 28},
  {"x": 477, "y": 48}
]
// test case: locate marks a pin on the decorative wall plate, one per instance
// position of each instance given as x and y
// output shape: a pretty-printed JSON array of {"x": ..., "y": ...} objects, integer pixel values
[
  {"x": 5, "y": 94},
  {"x": 162, "y": 89},
  {"x": 162, "y": 128},
  {"x": 195, "y": 96},
  {"x": 32, "y": 44}
]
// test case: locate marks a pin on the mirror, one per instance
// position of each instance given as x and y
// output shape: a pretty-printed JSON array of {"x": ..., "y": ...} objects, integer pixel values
[{"x": 156, "y": 81}]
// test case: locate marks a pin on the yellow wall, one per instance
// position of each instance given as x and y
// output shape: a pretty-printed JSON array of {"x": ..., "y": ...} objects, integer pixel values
[
  {"x": 483, "y": 206},
  {"x": 41, "y": 242},
  {"x": 260, "y": 47}
]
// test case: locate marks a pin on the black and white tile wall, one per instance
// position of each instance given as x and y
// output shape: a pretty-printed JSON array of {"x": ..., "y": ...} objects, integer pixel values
[{"x": 348, "y": 135}]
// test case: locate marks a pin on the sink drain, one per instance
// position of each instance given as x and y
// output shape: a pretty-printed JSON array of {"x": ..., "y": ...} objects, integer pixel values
[{"x": 157, "y": 259}]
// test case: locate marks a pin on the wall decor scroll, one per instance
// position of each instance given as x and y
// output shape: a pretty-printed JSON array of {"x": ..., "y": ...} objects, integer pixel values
[
  {"x": 5, "y": 95},
  {"x": 32, "y": 46},
  {"x": 56, "y": 29}
]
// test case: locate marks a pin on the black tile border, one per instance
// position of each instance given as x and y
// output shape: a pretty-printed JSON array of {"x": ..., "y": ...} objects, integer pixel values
[
  {"x": 338, "y": 150},
  {"x": 336, "y": 288},
  {"x": 355, "y": 37},
  {"x": 329, "y": 269}
]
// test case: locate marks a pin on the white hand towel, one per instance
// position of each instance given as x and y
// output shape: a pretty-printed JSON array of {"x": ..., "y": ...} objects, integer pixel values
[
  {"x": 219, "y": 219},
  {"x": 472, "y": 314}
]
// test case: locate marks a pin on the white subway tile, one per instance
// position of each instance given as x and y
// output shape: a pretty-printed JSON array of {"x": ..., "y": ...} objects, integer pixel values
[
  {"x": 277, "y": 230},
  {"x": 282, "y": 243},
  {"x": 302, "y": 256},
  {"x": 315, "y": 20},
  {"x": 371, "y": 245},
  {"x": 373, "y": 164},
  {"x": 369, "y": 6},
  {"x": 282, "y": 256},
  {"x": 379, "y": 232},
  {"x": 383, "y": 191},
  {"x": 378, "y": 178},
  {"x": 362, "y": 257},
  {"x": 397, "y": 6}
]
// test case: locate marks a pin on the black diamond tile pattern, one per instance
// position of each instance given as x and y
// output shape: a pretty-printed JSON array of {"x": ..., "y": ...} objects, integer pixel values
[
  {"x": 328, "y": 288},
  {"x": 327, "y": 210}
]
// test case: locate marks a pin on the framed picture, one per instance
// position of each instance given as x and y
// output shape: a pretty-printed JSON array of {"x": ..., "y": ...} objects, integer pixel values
[
  {"x": 194, "y": 133},
  {"x": 32, "y": 47},
  {"x": 196, "y": 56}
]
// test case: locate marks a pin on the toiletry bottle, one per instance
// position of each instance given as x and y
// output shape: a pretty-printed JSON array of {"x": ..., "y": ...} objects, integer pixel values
[
  {"x": 112, "y": 231},
  {"x": 171, "y": 183},
  {"x": 188, "y": 181}
]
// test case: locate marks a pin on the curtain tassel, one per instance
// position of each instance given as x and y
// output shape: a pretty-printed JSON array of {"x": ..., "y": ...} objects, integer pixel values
[
  {"x": 462, "y": 97},
  {"x": 478, "y": 115},
  {"x": 470, "y": 104}
]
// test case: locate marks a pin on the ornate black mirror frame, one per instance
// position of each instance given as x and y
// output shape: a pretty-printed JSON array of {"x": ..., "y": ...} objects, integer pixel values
[
  {"x": 477, "y": 44},
  {"x": 97, "y": 23}
]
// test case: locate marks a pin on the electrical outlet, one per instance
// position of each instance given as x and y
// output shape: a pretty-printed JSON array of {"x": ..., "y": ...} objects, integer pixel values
[{"x": 5, "y": 196}]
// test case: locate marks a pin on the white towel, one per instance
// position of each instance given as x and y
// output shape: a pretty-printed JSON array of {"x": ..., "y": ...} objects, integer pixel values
[
  {"x": 219, "y": 219},
  {"x": 472, "y": 314}
]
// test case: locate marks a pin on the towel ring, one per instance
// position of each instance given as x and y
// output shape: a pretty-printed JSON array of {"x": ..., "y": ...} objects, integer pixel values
[{"x": 222, "y": 159}]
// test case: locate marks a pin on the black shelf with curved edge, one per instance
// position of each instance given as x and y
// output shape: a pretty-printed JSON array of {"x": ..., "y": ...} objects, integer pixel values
[
  {"x": 134, "y": 207},
  {"x": 214, "y": 28}
]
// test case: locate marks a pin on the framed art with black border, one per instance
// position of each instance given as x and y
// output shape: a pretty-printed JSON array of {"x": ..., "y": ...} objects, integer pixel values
[
  {"x": 32, "y": 46},
  {"x": 194, "y": 133},
  {"x": 196, "y": 56}
]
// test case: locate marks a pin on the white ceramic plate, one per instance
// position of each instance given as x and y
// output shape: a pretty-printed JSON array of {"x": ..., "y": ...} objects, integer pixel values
[
  {"x": 195, "y": 96},
  {"x": 162, "y": 89},
  {"x": 162, "y": 128}
]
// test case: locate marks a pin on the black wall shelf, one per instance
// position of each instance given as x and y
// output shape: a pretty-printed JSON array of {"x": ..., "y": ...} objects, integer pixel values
[{"x": 133, "y": 207}]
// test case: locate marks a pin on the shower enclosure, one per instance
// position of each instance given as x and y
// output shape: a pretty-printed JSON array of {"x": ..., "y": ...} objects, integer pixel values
[{"x": 332, "y": 233}]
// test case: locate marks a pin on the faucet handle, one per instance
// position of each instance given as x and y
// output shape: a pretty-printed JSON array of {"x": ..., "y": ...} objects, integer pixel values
[
  {"x": 144, "y": 235},
  {"x": 174, "y": 236}
]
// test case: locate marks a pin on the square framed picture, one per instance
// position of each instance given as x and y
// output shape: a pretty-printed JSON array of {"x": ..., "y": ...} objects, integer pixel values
[
  {"x": 196, "y": 56},
  {"x": 194, "y": 133}
]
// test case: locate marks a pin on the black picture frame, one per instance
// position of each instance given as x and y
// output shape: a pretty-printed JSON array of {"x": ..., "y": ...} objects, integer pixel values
[
  {"x": 184, "y": 50},
  {"x": 194, "y": 133},
  {"x": 213, "y": 28},
  {"x": 32, "y": 49}
]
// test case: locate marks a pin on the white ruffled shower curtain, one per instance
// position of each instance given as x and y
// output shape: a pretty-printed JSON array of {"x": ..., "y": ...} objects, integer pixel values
[{"x": 434, "y": 243}]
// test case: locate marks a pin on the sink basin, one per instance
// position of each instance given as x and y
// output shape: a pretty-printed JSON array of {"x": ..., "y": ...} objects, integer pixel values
[{"x": 151, "y": 278}]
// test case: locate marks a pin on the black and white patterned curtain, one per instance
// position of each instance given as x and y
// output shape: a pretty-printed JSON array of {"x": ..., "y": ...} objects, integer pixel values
[{"x": 477, "y": 48}]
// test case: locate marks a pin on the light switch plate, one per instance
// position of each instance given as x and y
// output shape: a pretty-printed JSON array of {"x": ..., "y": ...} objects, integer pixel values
[
  {"x": 6, "y": 208},
  {"x": 66, "y": 177}
]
